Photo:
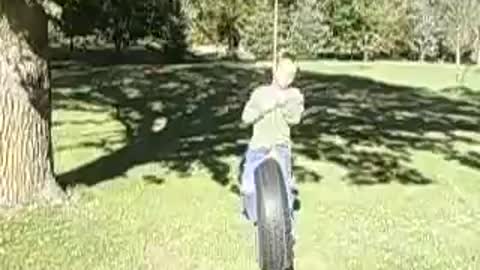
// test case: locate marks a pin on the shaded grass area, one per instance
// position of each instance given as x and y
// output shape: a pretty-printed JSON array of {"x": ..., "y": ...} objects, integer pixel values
[
  {"x": 188, "y": 115},
  {"x": 134, "y": 55},
  {"x": 162, "y": 134}
]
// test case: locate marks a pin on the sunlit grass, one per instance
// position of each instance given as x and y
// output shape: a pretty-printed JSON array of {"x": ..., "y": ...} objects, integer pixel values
[{"x": 175, "y": 222}]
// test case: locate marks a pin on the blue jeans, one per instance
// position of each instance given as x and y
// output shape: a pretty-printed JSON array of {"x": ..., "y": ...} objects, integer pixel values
[{"x": 253, "y": 158}]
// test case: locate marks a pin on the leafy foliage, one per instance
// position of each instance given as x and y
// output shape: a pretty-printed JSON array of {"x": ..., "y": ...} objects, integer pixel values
[
  {"x": 425, "y": 29},
  {"x": 428, "y": 29},
  {"x": 345, "y": 23},
  {"x": 125, "y": 21},
  {"x": 459, "y": 20},
  {"x": 257, "y": 36},
  {"x": 219, "y": 21},
  {"x": 309, "y": 30}
]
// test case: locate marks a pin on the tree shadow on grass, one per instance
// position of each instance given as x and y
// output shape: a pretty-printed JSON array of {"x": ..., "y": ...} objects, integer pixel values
[
  {"x": 182, "y": 115},
  {"x": 105, "y": 57}
]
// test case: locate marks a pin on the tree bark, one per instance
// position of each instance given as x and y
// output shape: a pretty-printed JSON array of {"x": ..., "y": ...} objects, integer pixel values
[
  {"x": 458, "y": 51},
  {"x": 72, "y": 46},
  {"x": 422, "y": 54},
  {"x": 478, "y": 45},
  {"x": 478, "y": 53},
  {"x": 365, "y": 48},
  {"x": 26, "y": 162},
  {"x": 365, "y": 55}
]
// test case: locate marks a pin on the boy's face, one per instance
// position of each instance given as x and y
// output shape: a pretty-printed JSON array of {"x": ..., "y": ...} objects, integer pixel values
[
  {"x": 285, "y": 74},
  {"x": 283, "y": 79}
]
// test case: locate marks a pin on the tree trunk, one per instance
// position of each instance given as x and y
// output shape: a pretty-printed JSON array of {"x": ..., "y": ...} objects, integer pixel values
[
  {"x": 478, "y": 46},
  {"x": 365, "y": 55},
  {"x": 458, "y": 51},
  {"x": 422, "y": 52},
  {"x": 26, "y": 165},
  {"x": 478, "y": 54},
  {"x": 365, "y": 48},
  {"x": 118, "y": 44},
  {"x": 72, "y": 46}
]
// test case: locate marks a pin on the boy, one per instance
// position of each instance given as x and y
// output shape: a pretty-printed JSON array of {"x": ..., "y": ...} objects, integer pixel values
[{"x": 272, "y": 110}]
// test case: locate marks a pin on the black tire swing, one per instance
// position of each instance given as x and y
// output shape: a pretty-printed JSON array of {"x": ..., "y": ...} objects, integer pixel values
[{"x": 274, "y": 224}]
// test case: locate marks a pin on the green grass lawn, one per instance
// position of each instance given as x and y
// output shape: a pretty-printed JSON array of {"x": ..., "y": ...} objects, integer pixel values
[{"x": 388, "y": 160}]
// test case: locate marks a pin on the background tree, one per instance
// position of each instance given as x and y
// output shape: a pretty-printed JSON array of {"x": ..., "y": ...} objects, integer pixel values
[
  {"x": 475, "y": 24},
  {"x": 308, "y": 28},
  {"x": 457, "y": 18},
  {"x": 165, "y": 22},
  {"x": 220, "y": 21},
  {"x": 78, "y": 18},
  {"x": 425, "y": 29},
  {"x": 26, "y": 166},
  {"x": 476, "y": 54},
  {"x": 124, "y": 22},
  {"x": 118, "y": 21},
  {"x": 257, "y": 35},
  {"x": 371, "y": 19},
  {"x": 383, "y": 29},
  {"x": 345, "y": 24}
]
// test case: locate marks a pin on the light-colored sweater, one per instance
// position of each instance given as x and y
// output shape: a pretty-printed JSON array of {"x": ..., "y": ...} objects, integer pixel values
[{"x": 272, "y": 121}]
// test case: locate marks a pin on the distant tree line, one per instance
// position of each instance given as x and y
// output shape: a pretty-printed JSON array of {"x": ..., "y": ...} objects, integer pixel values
[
  {"x": 424, "y": 30},
  {"x": 121, "y": 23}
]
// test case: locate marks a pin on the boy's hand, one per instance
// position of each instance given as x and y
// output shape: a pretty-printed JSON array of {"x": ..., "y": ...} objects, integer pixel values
[
  {"x": 281, "y": 98},
  {"x": 269, "y": 104},
  {"x": 278, "y": 99},
  {"x": 294, "y": 96}
]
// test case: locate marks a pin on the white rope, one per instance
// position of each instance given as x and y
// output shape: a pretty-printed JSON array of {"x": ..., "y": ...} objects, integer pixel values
[{"x": 275, "y": 34}]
